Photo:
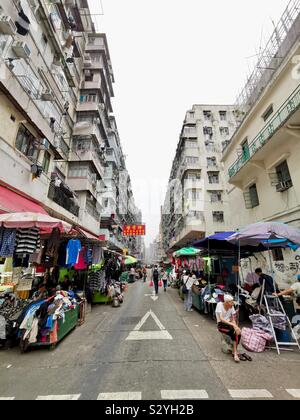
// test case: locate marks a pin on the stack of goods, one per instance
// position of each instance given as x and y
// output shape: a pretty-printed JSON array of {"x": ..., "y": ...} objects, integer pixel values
[
  {"x": 256, "y": 338},
  {"x": 40, "y": 323}
]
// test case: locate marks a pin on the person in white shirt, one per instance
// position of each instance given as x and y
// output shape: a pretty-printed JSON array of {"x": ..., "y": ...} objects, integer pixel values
[
  {"x": 189, "y": 280},
  {"x": 293, "y": 290},
  {"x": 226, "y": 319}
]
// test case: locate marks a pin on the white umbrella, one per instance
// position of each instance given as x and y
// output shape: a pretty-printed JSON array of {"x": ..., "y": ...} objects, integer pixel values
[
  {"x": 29, "y": 220},
  {"x": 263, "y": 231}
]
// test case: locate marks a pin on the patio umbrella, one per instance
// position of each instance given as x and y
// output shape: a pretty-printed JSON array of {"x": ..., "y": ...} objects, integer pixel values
[
  {"x": 30, "y": 220},
  {"x": 187, "y": 252},
  {"x": 260, "y": 232},
  {"x": 130, "y": 260}
]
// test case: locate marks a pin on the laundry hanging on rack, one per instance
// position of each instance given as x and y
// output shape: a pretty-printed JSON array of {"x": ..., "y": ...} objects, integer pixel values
[{"x": 22, "y": 24}]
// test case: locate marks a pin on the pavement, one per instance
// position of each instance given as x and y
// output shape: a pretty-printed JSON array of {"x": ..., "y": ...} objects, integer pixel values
[{"x": 146, "y": 349}]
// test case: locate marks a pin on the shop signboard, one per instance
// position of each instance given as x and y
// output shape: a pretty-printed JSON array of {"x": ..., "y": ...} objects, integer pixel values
[
  {"x": 134, "y": 230},
  {"x": 24, "y": 285}
]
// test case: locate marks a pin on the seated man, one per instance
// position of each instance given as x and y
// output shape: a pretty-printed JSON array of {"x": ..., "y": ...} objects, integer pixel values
[{"x": 293, "y": 290}]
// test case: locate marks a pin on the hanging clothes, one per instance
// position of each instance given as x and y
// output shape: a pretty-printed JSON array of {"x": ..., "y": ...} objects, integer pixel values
[
  {"x": 7, "y": 242},
  {"x": 97, "y": 255},
  {"x": 27, "y": 241},
  {"x": 81, "y": 264},
  {"x": 53, "y": 243},
  {"x": 73, "y": 249},
  {"x": 22, "y": 24}
]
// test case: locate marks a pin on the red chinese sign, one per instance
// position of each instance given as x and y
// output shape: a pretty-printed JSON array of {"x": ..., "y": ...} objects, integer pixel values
[{"x": 134, "y": 230}]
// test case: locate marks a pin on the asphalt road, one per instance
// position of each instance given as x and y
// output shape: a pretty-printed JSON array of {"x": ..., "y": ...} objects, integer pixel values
[{"x": 146, "y": 349}]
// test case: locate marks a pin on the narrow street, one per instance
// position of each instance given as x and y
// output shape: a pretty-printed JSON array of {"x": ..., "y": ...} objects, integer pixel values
[{"x": 98, "y": 361}]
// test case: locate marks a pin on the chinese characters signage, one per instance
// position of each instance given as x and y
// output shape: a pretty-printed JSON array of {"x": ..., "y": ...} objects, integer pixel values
[{"x": 134, "y": 230}]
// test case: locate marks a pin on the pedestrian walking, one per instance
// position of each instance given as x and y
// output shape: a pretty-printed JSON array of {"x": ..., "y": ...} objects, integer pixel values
[
  {"x": 165, "y": 279},
  {"x": 155, "y": 278},
  {"x": 145, "y": 274},
  {"x": 188, "y": 281}
]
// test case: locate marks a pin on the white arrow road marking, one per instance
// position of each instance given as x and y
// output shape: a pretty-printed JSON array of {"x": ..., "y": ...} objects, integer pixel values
[
  {"x": 294, "y": 392},
  {"x": 153, "y": 297},
  {"x": 136, "y": 334}
]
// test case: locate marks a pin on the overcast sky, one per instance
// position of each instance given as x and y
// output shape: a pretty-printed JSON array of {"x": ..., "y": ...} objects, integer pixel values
[{"x": 168, "y": 55}]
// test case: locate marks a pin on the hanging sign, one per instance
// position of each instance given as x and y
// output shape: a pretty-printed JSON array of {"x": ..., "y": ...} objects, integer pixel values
[{"x": 134, "y": 230}]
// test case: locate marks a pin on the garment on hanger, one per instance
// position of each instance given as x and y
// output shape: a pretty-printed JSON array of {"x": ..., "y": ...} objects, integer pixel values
[
  {"x": 22, "y": 24},
  {"x": 53, "y": 243},
  {"x": 7, "y": 242},
  {"x": 81, "y": 263},
  {"x": 27, "y": 241},
  {"x": 97, "y": 254},
  {"x": 73, "y": 249}
]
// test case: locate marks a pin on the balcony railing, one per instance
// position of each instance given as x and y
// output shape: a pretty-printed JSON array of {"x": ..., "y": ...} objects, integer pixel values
[
  {"x": 290, "y": 106},
  {"x": 60, "y": 197}
]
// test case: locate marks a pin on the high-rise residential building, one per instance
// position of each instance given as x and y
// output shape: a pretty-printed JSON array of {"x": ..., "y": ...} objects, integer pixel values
[
  {"x": 59, "y": 144},
  {"x": 262, "y": 159},
  {"x": 196, "y": 203}
]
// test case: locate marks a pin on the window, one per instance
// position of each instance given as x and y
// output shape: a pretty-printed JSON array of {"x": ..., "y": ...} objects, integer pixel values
[
  {"x": 254, "y": 196},
  {"x": 190, "y": 132},
  {"x": 245, "y": 149},
  {"x": 46, "y": 162},
  {"x": 216, "y": 196},
  {"x": 207, "y": 115},
  {"x": 208, "y": 131},
  {"x": 192, "y": 160},
  {"x": 268, "y": 113},
  {"x": 224, "y": 131},
  {"x": 194, "y": 176},
  {"x": 191, "y": 143},
  {"x": 78, "y": 172},
  {"x": 218, "y": 216},
  {"x": 194, "y": 194},
  {"x": 191, "y": 115},
  {"x": 213, "y": 177},
  {"x": 88, "y": 98},
  {"x": 283, "y": 174},
  {"x": 211, "y": 161},
  {"x": 277, "y": 255},
  {"x": 88, "y": 76},
  {"x": 26, "y": 143},
  {"x": 223, "y": 115}
]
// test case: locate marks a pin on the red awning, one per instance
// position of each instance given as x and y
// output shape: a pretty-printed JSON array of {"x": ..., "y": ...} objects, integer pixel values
[
  {"x": 11, "y": 202},
  {"x": 88, "y": 235}
]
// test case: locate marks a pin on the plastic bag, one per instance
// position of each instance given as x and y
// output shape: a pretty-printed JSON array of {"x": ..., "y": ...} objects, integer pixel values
[
  {"x": 160, "y": 283},
  {"x": 151, "y": 284}
]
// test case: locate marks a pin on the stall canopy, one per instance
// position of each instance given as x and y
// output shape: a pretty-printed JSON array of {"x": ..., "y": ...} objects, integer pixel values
[
  {"x": 89, "y": 235},
  {"x": 11, "y": 202},
  {"x": 219, "y": 242},
  {"x": 186, "y": 252},
  {"x": 30, "y": 220},
  {"x": 130, "y": 260},
  {"x": 265, "y": 231}
]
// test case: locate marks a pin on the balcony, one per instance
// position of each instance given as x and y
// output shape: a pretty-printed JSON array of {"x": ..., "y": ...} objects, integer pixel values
[
  {"x": 87, "y": 107},
  {"x": 63, "y": 197},
  {"x": 87, "y": 153},
  {"x": 287, "y": 110}
]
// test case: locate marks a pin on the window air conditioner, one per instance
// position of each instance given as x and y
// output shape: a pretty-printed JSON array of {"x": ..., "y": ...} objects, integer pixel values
[
  {"x": 44, "y": 144},
  {"x": 283, "y": 186},
  {"x": 47, "y": 95},
  {"x": 7, "y": 25},
  {"x": 21, "y": 49}
]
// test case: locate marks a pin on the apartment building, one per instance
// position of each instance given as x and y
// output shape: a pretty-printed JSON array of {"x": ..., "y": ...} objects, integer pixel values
[
  {"x": 196, "y": 203},
  {"x": 56, "y": 86},
  {"x": 262, "y": 159}
]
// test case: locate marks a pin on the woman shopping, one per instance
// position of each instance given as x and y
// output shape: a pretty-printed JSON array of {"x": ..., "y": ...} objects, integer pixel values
[{"x": 189, "y": 281}]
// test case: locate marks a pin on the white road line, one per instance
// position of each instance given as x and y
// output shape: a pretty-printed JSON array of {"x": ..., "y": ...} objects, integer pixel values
[
  {"x": 119, "y": 396},
  {"x": 188, "y": 394},
  {"x": 250, "y": 393},
  {"x": 294, "y": 392},
  {"x": 6, "y": 398},
  {"x": 149, "y": 335},
  {"x": 72, "y": 397}
]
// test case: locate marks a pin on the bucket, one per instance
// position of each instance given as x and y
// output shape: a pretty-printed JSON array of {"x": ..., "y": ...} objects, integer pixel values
[{"x": 283, "y": 336}]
